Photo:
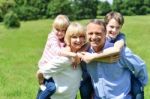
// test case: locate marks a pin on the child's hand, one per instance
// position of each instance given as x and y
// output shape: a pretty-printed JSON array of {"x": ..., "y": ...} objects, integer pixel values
[
  {"x": 85, "y": 56},
  {"x": 75, "y": 61}
]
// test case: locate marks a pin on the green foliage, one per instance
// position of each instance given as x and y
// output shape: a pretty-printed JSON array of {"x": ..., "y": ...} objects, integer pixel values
[
  {"x": 11, "y": 20},
  {"x": 84, "y": 9},
  {"x": 5, "y": 6},
  {"x": 74, "y": 9},
  {"x": 27, "y": 12},
  {"x": 132, "y": 7},
  {"x": 103, "y": 8},
  {"x": 117, "y": 5},
  {"x": 1, "y": 15},
  {"x": 56, "y": 7}
]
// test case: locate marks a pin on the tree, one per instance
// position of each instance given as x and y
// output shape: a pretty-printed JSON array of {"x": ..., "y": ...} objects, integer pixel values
[
  {"x": 84, "y": 8},
  {"x": 103, "y": 8},
  {"x": 56, "y": 7},
  {"x": 117, "y": 5}
]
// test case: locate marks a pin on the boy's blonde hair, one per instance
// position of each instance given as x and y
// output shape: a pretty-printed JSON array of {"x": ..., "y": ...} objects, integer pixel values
[
  {"x": 114, "y": 15},
  {"x": 61, "y": 22},
  {"x": 74, "y": 29}
]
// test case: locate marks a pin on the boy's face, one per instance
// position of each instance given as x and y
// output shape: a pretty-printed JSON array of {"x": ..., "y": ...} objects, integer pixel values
[
  {"x": 113, "y": 28},
  {"x": 77, "y": 41},
  {"x": 60, "y": 33}
]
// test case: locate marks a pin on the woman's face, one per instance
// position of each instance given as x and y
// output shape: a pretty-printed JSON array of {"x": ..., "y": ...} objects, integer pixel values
[{"x": 77, "y": 42}]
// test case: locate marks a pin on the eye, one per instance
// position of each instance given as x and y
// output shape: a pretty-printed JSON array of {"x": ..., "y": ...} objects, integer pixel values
[
  {"x": 82, "y": 36},
  {"x": 112, "y": 26},
  {"x": 98, "y": 33},
  {"x": 73, "y": 36},
  {"x": 118, "y": 28},
  {"x": 90, "y": 33},
  {"x": 59, "y": 30}
]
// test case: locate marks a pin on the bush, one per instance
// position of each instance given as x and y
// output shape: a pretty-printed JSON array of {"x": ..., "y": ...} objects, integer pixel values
[
  {"x": 27, "y": 12},
  {"x": 11, "y": 20},
  {"x": 1, "y": 16},
  {"x": 143, "y": 10}
]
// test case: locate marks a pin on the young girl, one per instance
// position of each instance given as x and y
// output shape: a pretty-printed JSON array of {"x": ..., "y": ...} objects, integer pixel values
[
  {"x": 66, "y": 78},
  {"x": 54, "y": 44}
]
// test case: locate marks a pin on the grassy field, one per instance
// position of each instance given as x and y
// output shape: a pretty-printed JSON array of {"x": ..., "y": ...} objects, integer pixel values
[{"x": 20, "y": 50}]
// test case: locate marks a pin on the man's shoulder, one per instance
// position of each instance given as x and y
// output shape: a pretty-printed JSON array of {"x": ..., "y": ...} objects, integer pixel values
[{"x": 108, "y": 44}]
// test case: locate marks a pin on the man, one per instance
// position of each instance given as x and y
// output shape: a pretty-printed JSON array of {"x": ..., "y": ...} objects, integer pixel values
[{"x": 112, "y": 81}]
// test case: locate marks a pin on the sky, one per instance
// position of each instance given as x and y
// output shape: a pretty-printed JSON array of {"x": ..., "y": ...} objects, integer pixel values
[{"x": 110, "y": 1}]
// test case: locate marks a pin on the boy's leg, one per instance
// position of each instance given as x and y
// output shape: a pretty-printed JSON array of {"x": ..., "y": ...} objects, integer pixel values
[
  {"x": 137, "y": 90},
  {"x": 49, "y": 91}
]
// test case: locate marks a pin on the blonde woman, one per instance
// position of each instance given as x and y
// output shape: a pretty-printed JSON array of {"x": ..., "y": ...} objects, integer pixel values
[{"x": 65, "y": 76}]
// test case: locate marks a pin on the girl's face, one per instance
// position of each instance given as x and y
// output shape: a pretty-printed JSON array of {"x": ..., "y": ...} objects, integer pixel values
[
  {"x": 77, "y": 42},
  {"x": 60, "y": 33},
  {"x": 113, "y": 28}
]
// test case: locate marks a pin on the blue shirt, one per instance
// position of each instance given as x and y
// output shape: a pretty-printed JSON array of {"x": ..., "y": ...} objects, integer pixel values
[
  {"x": 113, "y": 81},
  {"x": 120, "y": 36}
]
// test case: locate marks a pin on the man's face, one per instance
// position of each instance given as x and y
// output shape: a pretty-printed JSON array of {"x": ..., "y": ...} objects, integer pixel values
[
  {"x": 113, "y": 28},
  {"x": 96, "y": 36}
]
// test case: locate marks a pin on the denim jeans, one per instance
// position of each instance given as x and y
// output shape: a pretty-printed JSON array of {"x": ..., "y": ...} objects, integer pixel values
[
  {"x": 49, "y": 91},
  {"x": 137, "y": 90},
  {"x": 86, "y": 88}
]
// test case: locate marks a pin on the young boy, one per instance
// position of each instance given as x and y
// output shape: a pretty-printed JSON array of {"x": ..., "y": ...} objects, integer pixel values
[{"x": 114, "y": 22}]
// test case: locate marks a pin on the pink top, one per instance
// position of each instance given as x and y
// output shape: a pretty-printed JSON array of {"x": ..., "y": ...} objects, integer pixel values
[{"x": 52, "y": 48}]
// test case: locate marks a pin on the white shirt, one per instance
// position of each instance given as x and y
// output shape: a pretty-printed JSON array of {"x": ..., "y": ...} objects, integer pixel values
[{"x": 66, "y": 78}]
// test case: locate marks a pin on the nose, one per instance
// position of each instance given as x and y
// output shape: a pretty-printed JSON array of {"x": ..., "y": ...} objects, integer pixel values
[
  {"x": 78, "y": 39},
  {"x": 94, "y": 36},
  {"x": 114, "y": 29}
]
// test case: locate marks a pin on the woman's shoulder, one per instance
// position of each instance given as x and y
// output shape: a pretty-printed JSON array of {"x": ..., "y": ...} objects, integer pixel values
[{"x": 85, "y": 47}]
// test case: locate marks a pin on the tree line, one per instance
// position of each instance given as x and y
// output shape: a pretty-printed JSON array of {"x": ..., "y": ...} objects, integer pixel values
[{"x": 75, "y": 9}]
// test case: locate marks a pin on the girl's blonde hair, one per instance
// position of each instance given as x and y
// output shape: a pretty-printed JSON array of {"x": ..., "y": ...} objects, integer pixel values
[
  {"x": 61, "y": 22},
  {"x": 74, "y": 29}
]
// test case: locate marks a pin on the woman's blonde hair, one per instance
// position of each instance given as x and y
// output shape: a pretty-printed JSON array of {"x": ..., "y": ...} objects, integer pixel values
[
  {"x": 74, "y": 29},
  {"x": 61, "y": 22}
]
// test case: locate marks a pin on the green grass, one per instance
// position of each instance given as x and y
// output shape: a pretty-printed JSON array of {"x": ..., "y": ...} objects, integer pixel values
[{"x": 20, "y": 50}]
